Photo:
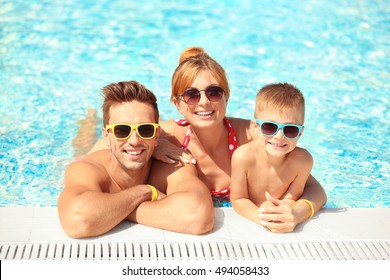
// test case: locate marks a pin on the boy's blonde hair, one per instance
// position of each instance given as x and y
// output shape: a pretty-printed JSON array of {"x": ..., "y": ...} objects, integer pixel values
[{"x": 280, "y": 97}]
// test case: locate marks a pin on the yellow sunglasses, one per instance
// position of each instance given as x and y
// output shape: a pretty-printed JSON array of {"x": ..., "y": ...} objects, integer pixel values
[{"x": 123, "y": 131}]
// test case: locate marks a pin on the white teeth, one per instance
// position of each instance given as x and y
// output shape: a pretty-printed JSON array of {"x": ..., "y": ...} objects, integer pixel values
[
  {"x": 134, "y": 153},
  {"x": 204, "y": 113}
]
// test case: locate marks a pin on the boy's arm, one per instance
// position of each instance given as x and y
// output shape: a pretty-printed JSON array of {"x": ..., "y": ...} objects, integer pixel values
[
  {"x": 314, "y": 193},
  {"x": 239, "y": 195},
  {"x": 188, "y": 206},
  {"x": 85, "y": 210}
]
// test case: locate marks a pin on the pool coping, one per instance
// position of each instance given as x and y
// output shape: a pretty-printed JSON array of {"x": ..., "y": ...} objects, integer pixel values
[{"x": 330, "y": 232}]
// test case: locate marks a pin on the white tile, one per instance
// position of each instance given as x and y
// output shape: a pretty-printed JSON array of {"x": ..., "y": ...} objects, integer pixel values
[
  {"x": 18, "y": 224},
  {"x": 14, "y": 235}
]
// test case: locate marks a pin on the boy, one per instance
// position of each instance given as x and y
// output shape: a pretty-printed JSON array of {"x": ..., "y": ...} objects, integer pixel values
[{"x": 272, "y": 164}]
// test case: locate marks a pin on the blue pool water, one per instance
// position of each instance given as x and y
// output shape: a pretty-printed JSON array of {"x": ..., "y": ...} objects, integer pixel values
[{"x": 56, "y": 55}]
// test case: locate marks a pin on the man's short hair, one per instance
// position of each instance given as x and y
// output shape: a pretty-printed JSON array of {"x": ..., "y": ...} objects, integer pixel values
[{"x": 117, "y": 93}]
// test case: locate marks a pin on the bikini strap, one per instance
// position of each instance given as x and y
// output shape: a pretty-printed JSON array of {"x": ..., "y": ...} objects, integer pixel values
[
  {"x": 187, "y": 137},
  {"x": 233, "y": 143}
]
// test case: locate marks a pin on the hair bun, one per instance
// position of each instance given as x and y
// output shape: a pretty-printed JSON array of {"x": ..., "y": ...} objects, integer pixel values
[{"x": 191, "y": 51}]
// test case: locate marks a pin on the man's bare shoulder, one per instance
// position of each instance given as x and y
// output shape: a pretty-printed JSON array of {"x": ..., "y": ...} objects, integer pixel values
[
  {"x": 161, "y": 173},
  {"x": 94, "y": 160},
  {"x": 88, "y": 171}
]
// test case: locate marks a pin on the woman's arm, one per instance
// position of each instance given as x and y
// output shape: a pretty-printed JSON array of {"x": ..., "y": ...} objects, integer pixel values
[
  {"x": 169, "y": 149},
  {"x": 239, "y": 195}
]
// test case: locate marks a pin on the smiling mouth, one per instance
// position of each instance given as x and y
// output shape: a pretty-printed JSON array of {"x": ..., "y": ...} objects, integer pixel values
[
  {"x": 134, "y": 153},
  {"x": 277, "y": 145},
  {"x": 204, "y": 114}
]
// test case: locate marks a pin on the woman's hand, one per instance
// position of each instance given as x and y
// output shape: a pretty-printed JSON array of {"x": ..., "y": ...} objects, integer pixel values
[
  {"x": 277, "y": 215},
  {"x": 170, "y": 153}
]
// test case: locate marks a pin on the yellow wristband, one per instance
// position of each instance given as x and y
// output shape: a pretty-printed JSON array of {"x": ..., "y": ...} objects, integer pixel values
[
  {"x": 308, "y": 203},
  {"x": 154, "y": 193}
]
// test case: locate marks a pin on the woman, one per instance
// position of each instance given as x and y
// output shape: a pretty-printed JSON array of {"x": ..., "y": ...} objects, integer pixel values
[{"x": 200, "y": 91}]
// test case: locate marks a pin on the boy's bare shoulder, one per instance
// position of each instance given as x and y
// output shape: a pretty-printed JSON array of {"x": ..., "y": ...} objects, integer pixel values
[{"x": 302, "y": 155}]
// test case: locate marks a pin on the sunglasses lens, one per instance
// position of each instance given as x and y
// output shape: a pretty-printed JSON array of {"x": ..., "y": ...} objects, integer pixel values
[
  {"x": 191, "y": 96},
  {"x": 291, "y": 131},
  {"x": 122, "y": 131},
  {"x": 268, "y": 128},
  {"x": 214, "y": 93},
  {"x": 146, "y": 130}
]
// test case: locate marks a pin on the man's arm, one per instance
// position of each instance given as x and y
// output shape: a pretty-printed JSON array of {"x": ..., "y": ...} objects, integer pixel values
[
  {"x": 187, "y": 208},
  {"x": 86, "y": 210}
]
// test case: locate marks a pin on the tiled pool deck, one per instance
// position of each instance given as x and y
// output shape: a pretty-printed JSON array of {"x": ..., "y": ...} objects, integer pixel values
[{"x": 332, "y": 234}]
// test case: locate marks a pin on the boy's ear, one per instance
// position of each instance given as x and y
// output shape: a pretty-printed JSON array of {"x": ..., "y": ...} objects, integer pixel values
[
  {"x": 253, "y": 123},
  {"x": 300, "y": 134},
  {"x": 254, "y": 129}
]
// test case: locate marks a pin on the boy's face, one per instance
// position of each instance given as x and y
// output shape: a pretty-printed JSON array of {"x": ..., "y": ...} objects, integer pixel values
[
  {"x": 132, "y": 153},
  {"x": 278, "y": 145}
]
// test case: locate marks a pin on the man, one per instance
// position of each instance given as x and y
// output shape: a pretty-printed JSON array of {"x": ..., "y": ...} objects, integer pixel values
[{"x": 111, "y": 185}]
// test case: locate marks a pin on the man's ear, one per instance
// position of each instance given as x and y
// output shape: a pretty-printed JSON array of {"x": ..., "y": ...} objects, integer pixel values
[
  {"x": 105, "y": 136},
  {"x": 157, "y": 137}
]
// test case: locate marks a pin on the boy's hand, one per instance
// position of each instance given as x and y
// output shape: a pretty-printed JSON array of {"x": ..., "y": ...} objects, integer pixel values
[{"x": 276, "y": 215}]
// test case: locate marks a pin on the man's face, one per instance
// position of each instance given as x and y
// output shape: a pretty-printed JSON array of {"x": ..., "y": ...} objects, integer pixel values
[{"x": 132, "y": 153}]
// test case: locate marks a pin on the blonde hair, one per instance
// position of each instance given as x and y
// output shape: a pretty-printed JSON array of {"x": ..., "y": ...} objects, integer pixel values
[
  {"x": 280, "y": 97},
  {"x": 192, "y": 62}
]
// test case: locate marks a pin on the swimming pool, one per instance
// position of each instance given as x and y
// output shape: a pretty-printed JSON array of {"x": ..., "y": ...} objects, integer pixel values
[{"x": 56, "y": 55}]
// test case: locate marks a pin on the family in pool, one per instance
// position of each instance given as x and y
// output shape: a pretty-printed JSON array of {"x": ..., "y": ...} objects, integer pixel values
[{"x": 171, "y": 174}]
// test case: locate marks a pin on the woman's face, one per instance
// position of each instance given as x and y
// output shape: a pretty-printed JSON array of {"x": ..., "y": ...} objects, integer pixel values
[{"x": 203, "y": 113}]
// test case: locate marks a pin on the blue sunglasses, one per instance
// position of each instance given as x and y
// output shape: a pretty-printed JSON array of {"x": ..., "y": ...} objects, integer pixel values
[{"x": 290, "y": 131}]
